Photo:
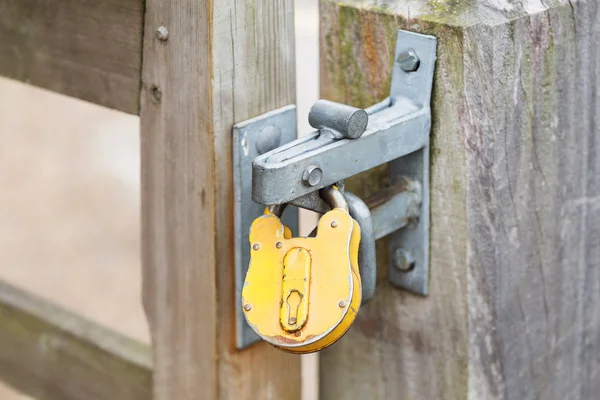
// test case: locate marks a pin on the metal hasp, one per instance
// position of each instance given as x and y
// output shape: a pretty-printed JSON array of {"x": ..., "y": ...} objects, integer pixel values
[
  {"x": 271, "y": 168},
  {"x": 397, "y": 132},
  {"x": 252, "y": 138}
]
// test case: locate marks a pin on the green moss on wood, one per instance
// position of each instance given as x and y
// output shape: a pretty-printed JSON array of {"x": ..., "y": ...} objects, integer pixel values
[
  {"x": 357, "y": 48},
  {"x": 449, "y": 12}
]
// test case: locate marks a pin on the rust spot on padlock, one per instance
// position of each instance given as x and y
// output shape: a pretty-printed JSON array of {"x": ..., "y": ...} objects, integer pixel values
[
  {"x": 295, "y": 289},
  {"x": 283, "y": 340}
]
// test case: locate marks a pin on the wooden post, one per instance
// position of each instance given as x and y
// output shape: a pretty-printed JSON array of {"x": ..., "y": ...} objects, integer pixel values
[
  {"x": 220, "y": 63},
  {"x": 514, "y": 309}
]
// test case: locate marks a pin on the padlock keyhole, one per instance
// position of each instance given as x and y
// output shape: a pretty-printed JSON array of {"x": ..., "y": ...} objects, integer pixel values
[
  {"x": 295, "y": 289},
  {"x": 293, "y": 303}
]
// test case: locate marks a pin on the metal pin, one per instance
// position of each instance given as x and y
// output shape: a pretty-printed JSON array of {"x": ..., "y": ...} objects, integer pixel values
[
  {"x": 404, "y": 260},
  {"x": 334, "y": 224},
  {"x": 312, "y": 175},
  {"x": 248, "y": 307},
  {"x": 342, "y": 304},
  {"x": 162, "y": 33},
  {"x": 279, "y": 245},
  {"x": 348, "y": 122},
  {"x": 255, "y": 246},
  {"x": 269, "y": 138},
  {"x": 409, "y": 61}
]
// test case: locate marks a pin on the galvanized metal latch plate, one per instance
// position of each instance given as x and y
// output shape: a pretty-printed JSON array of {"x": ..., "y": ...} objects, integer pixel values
[
  {"x": 397, "y": 132},
  {"x": 252, "y": 138},
  {"x": 409, "y": 247}
]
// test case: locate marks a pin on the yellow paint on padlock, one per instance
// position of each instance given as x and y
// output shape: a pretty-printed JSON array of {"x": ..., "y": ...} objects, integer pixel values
[{"x": 292, "y": 313}]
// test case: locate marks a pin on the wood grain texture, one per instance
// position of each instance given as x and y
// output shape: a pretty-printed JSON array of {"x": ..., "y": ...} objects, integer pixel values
[
  {"x": 52, "y": 354},
  {"x": 402, "y": 346},
  {"x": 531, "y": 132},
  {"x": 89, "y": 49},
  {"x": 515, "y": 235},
  {"x": 223, "y": 63}
]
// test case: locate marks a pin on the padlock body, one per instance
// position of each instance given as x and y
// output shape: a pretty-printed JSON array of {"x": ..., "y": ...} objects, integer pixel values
[{"x": 302, "y": 294}]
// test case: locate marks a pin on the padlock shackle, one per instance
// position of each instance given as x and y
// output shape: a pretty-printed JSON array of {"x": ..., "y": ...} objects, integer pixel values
[
  {"x": 334, "y": 197},
  {"x": 277, "y": 209},
  {"x": 331, "y": 194}
]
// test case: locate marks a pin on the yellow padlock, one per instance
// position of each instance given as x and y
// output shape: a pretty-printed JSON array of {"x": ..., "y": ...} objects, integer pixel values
[{"x": 302, "y": 294}]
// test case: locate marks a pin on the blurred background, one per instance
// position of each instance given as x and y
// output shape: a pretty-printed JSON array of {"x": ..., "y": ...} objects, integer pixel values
[{"x": 69, "y": 209}]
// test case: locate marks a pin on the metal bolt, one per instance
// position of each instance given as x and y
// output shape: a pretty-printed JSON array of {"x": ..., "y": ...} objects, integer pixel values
[
  {"x": 312, "y": 175},
  {"x": 269, "y": 138},
  {"x": 248, "y": 307},
  {"x": 409, "y": 61},
  {"x": 334, "y": 224},
  {"x": 342, "y": 304},
  {"x": 162, "y": 33},
  {"x": 404, "y": 260},
  {"x": 156, "y": 94},
  {"x": 256, "y": 246},
  {"x": 279, "y": 245},
  {"x": 339, "y": 120}
]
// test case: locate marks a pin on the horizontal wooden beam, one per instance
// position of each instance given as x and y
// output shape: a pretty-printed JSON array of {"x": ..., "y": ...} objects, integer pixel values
[
  {"x": 52, "y": 354},
  {"x": 89, "y": 49}
]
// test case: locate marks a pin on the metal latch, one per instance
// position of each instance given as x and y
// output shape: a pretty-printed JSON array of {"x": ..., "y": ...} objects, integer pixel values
[{"x": 348, "y": 141}]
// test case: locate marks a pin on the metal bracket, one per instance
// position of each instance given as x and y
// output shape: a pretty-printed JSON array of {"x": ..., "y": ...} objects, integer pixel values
[
  {"x": 252, "y": 138},
  {"x": 350, "y": 141}
]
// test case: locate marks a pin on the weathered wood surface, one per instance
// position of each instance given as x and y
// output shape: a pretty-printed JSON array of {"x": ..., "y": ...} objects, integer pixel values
[
  {"x": 52, "y": 354},
  {"x": 514, "y": 309},
  {"x": 223, "y": 63},
  {"x": 90, "y": 49}
]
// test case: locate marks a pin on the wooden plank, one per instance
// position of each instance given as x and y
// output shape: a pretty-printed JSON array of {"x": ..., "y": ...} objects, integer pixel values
[
  {"x": 223, "y": 63},
  {"x": 52, "y": 354},
  {"x": 401, "y": 346},
  {"x": 515, "y": 185},
  {"x": 534, "y": 180},
  {"x": 90, "y": 49}
]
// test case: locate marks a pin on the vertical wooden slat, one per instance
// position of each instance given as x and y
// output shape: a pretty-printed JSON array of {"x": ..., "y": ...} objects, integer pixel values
[
  {"x": 402, "y": 346},
  {"x": 223, "y": 62},
  {"x": 532, "y": 105},
  {"x": 514, "y": 296}
]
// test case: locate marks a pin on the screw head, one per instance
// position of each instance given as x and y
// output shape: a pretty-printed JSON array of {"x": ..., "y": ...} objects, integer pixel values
[
  {"x": 155, "y": 94},
  {"x": 255, "y": 246},
  {"x": 409, "y": 61},
  {"x": 312, "y": 175},
  {"x": 334, "y": 224},
  {"x": 342, "y": 304},
  {"x": 404, "y": 260},
  {"x": 162, "y": 33},
  {"x": 269, "y": 138},
  {"x": 279, "y": 245},
  {"x": 247, "y": 307}
]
